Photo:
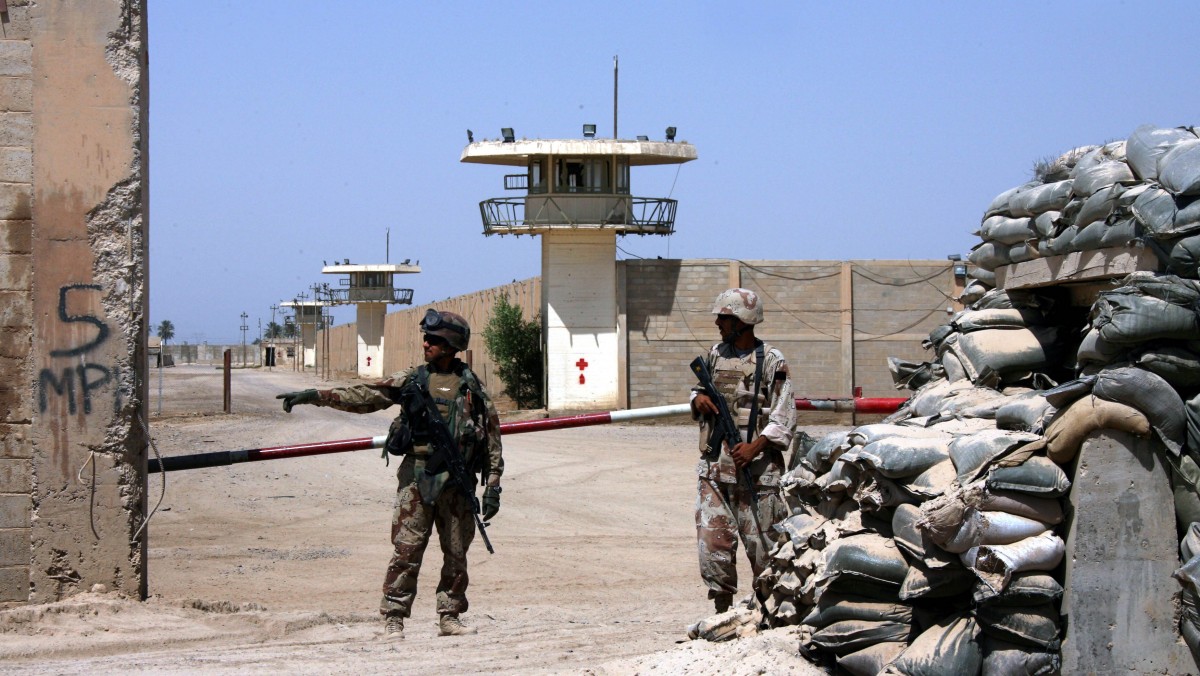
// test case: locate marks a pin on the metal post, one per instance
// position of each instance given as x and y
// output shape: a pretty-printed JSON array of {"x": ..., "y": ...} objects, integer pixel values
[
  {"x": 244, "y": 328},
  {"x": 228, "y": 398}
]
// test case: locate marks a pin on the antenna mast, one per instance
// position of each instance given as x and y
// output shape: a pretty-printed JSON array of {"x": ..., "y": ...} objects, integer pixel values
[{"x": 615, "y": 98}]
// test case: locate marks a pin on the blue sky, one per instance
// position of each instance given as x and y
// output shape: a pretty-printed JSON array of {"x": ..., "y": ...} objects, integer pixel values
[{"x": 283, "y": 134}]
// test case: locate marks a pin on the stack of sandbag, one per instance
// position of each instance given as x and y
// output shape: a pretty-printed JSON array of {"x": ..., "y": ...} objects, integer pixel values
[
  {"x": 922, "y": 546},
  {"x": 1142, "y": 189}
]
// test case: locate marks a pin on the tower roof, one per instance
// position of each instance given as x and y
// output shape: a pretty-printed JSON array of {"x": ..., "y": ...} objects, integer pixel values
[{"x": 638, "y": 153}]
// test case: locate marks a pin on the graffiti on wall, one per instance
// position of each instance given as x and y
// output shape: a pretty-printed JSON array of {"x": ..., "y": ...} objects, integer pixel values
[{"x": 77, "y": 380}]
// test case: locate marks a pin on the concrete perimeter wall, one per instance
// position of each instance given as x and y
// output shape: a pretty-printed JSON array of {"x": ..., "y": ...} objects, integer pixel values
[
  {"x": 73, "y": 275},
  {"x": 836, "y": 322}
]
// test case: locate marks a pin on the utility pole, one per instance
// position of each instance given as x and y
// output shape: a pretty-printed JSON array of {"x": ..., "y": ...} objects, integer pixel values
[
  {"x": 244, "y": 329},
  {"x": 261, "y": 345},
  {"x": 274, "y": 329}
]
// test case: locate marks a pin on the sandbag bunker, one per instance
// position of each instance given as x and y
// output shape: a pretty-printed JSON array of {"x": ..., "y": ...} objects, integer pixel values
[{"x": 934, "y": 542}]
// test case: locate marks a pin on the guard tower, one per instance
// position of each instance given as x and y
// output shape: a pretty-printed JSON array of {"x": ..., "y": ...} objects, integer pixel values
[
  {"x": 309, "y": 320},
  {"x": 369, "y": 288},
  {"x": 577, "y": 197}
]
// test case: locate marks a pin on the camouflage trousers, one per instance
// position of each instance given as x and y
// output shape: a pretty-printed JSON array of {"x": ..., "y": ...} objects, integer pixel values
[
  {"x": 412, "y": 524},
  {"x": 722, "y": 512}
]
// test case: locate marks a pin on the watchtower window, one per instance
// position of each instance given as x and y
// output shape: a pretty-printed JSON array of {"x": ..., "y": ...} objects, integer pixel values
[
  {"x": 623, "y": 176},
  {"x": 537, "y": 176},
  {"x": 581, "y": 176},
  {"x": 371, "y": 280}
]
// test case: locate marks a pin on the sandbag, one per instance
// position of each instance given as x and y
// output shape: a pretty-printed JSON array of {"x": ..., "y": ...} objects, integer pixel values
[
  {"x": 991, "y": 528},
  {"x": 1151, "y": 395},
  {"x": 1025, "y": 413},
  {"x": 1192, "y": 411},
  {"x": 1179, "y": 168},
  {"x": 933, "y": 481},
  {"x": 871, "y": 660},
  {"x": 996, "y": 564},
  {"x": 1001, "y": 658},
  {"x": 1125, "y": 315},
  {"x": 1095, "y": 208},
  {"x": 1046, "y": 225},
  {"x": 841, "y": 638},
  {"x": 972, "y": 292},
  {"x": 1095, "y": 172},
  {"x": 953, "y": 368},
  {"x": 864, "y": 435},
  {"x": 987, "y": 277},
  {"x": 1072, "y": 425},
  {"x": 1041, "y": 198},
  {"x": 875, "y": 493},
  {"x": 1183, "y": 255},
  {"x": 1045, "y": 510},
  {"x": 1090, "y": 237},
  {"x": 935, "y": 583},
  {"x": 1177, "y": 365},
  {"x": 999, "y": 204},
  {"x": 949, "y": 647},
  {"x": 1012, "y": 353},
  {"x": 1025, "y": 589},
  {"x": 866, "y": 557},
  {"x": 827, "y": 449},
  {"x": 1147, "y": 143},
  {"x": 1061, "y": 243},
  {"x": 1023, "y": 251},
  {"x": 834, "y": 607},
  {"x": 989, "y": 255},
  {"x": 1036, "y": 476},
  {"x": 1005, "y": 230},
  {"x": 1035, "y": 626},
  {"x": 840, "y": 477},
  {"x": 913, "y": 375},
  {"x": 1163, "y": 215},
  {"x": 1095, "y": 350},
  {"x": 972, "y": 454},
  {"x": 1121, "y": 233},
  {"x": 1006, "y": 318}
]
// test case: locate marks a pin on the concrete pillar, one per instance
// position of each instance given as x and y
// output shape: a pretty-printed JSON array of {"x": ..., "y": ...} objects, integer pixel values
[
  {"x": 579, "y": 303},
  {"x": 1122, "y": 548}
]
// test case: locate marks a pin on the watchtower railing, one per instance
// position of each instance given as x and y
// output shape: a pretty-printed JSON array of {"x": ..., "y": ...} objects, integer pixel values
[
  {"x": 371, "y": 294},
  {"x": 625, "y": 214}
]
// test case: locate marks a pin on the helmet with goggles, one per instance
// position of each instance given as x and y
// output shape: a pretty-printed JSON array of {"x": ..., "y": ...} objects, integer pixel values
[{"x": 448, "y": 325}]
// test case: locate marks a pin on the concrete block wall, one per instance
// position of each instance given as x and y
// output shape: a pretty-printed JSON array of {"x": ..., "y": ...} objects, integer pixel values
[
  {"x": 16, "y": 315},
  {"x": 887, "y": 306},
  {"x": 73, "y": 271}
]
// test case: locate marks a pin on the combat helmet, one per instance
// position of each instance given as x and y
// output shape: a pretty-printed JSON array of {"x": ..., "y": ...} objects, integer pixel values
[
  {"x": 447, "y": 325},
  {"x": 740, "y": 303}
]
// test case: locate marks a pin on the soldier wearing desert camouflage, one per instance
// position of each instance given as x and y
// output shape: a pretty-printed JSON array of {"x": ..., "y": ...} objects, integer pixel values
[
  {"x": 475, "y": 426},
  {"x": 726, "y": 507}
]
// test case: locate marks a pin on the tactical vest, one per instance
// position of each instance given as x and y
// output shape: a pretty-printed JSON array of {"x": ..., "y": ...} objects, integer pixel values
[
  {"x": 459, "y": 398},
  {"x": 734, "y": 379}
]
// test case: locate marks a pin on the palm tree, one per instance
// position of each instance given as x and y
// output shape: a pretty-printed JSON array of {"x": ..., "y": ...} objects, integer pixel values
[
  {"x": 166, "y": 331},
  {"x": 274, "y": 331}
]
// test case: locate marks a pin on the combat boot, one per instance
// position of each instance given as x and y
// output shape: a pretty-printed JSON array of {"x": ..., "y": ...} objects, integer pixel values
[
  {"x": 393, "y": 628},
  {"x": 722, "y": 602},
  {"x": 450, "y": 625}
]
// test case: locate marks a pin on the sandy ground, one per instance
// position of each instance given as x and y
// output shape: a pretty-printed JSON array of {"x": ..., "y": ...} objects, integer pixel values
[{"x": 277, "y": 565}]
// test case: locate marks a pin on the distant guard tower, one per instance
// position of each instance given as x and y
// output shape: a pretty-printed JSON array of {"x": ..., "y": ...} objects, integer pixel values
[
  {"x": 309, "y": 320},
  {"x": 577, "y": 197},
  {"x": 369, "y": 288}
]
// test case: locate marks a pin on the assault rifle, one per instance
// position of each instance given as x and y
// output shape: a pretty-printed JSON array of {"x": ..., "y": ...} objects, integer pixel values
[
  {"x": 724, "y": 427},
  {"x": 446, "y": 455}
]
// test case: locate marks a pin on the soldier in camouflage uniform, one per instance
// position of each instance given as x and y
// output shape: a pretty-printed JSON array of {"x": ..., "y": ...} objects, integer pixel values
[
  {"x": 473, "y": 421},
  {"x": 725, "y": 504}
]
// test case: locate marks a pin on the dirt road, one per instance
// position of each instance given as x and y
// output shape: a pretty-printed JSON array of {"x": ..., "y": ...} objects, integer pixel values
[{"x": 277, "y": 565}]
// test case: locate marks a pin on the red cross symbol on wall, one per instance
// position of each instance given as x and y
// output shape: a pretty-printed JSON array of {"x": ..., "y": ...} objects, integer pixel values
[{"x": 582, "y": 364}]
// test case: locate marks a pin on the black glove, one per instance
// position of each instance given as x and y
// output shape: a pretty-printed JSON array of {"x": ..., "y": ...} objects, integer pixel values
[
  {"x": 491, "y": 502},
  {"x": 291, "y": 399}
]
